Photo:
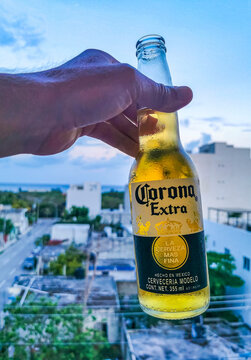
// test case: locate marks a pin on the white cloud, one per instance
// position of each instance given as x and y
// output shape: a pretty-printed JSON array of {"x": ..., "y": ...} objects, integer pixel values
[
  {"x": 90, "y": 141},
  {"x": 95, "y": 152}
]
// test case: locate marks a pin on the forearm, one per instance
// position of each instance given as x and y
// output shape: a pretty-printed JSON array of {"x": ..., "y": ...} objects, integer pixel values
[{"x": 22, "y": 106}]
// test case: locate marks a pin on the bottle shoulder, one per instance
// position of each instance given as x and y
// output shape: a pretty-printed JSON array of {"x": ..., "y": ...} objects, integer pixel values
[{"x": 162, "y": 164}]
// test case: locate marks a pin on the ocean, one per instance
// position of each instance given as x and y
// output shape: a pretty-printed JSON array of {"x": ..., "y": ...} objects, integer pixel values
[{"x": 15, "y": 187}]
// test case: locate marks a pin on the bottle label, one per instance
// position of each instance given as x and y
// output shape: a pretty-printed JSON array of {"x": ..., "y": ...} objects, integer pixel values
[{"x": 168, "y": 236}]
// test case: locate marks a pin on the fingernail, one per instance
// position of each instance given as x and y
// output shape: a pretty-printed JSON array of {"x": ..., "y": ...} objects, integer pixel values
[{"x": 184, "y": 93}]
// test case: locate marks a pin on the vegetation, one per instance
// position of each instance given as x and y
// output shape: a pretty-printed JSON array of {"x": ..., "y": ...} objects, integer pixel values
[
  {"x": 42, "y": 331},
  {"x": 6, "y": 227},
  {"x": 71, "y": 261},
  {"x": 76, "y": 214},
  {"x": 80, "y": 215},
  {"x": 112, "y": 199},
  {"x": 43, "y": 240},
  {"x": 221, "y": 268},
  {"x": 43, "y": 204}
]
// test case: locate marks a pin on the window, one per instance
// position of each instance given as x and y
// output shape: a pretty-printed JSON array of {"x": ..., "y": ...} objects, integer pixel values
[
  {"x": 104, "y": 329},
  {"x": 246, "y": 263}
]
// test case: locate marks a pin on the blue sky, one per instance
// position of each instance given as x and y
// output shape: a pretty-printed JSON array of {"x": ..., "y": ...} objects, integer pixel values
[{"x": 208, "y": 48}]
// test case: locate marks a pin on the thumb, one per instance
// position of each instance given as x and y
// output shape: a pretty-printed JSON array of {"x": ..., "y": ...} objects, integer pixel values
[{"x": 160, "y": 97}]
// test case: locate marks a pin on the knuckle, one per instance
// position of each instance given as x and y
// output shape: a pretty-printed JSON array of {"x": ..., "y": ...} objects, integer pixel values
[
  {"x": 94, "y": 55},
  {"x": 90, "y": 52},
  {"x": 128, "y": 69}
]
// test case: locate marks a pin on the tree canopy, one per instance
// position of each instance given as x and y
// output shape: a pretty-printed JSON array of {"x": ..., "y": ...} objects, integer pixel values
[
  {"x": 72, "y": 260},
  {"x": 221, "y": 268}
]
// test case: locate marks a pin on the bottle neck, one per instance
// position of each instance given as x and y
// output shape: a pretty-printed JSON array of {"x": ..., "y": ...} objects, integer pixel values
[
  {"x": 156, "y": 128},
  {"x": 152, "y": 63}
]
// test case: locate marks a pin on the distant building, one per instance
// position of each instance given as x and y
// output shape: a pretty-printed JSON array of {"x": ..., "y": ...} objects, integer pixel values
[
  {"x": 87, "y": 194},
  {"x": 77, "y": 233},
  {"x": 114, "y": 216},
  {"x": 225, "y": 173},
  {"x": 227, "y": 239},
  {"x": 114, "y": 248},
  {"x": 17, "y": 216}
]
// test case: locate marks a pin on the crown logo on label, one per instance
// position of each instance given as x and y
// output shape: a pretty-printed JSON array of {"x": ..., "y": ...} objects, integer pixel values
[{"x": 168, "y": 227}]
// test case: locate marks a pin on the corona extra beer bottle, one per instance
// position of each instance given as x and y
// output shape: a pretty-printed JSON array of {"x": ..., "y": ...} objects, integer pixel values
[{"x": 167, "y": 222}]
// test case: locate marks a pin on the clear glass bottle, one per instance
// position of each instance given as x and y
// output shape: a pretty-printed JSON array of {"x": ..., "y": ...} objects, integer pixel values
[{"x": 171, "y": 263}]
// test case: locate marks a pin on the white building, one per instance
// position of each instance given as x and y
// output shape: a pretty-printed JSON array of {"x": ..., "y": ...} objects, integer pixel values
[
  {"x": 114, "y": 216},
  {"x": 227, "y": 239},
  {"x": 225, "y": 173},
  {"x": 121, "y": 215},
  {"x": 17, "y": 216},
  {"x": 87, "y": 194},
  {"x": 77, "y": 233}
]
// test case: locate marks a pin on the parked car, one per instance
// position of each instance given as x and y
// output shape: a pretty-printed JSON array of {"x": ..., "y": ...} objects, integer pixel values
[{"x": 29, "y": 263}]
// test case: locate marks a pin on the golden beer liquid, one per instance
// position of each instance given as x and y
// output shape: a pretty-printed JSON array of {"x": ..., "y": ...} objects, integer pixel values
[{"x": 162, "y": 157}]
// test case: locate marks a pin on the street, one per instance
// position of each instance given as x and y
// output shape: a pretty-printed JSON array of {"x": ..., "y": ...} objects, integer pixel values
[{"x": 12, "y": 258}]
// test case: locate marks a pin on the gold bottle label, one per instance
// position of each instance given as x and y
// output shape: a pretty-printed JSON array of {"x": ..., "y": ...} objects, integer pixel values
[
  {"x": 165, "y": 207},
  {"x": 168, "y": 236}
]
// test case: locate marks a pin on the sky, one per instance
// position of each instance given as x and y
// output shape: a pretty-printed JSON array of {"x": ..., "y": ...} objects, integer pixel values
[{"x": 208, "y": 48}]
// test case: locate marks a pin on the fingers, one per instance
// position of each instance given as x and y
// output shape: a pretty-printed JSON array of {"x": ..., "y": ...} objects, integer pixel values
[
  {"x": 112, "y": 136},
  {"x": 131, "y": 112},
  {"x": 159, "y": 97},
  {"x": 125, "y": 126}
]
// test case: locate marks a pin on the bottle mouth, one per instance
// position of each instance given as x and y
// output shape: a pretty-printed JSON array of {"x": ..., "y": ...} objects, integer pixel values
[{"x": 148, "y": 42}]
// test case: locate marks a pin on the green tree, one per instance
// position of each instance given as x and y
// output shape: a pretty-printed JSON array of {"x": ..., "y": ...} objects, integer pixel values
[
  {"x": 112, "y": 199},
  {"x": 96, "y": 223},
  {"x": 76, "y": 215},
  {"x": 80, "y": 215},
  {"x": 72, "y": 260},
  {"x": 43, "y": 240},
  {"x": 221, "y": 268},
  {"x": 6, "y": 227},
  {"x": 31, "y": 217},
  {"x": 42, "y": 331},
  {"x": 50, "y": 201}
]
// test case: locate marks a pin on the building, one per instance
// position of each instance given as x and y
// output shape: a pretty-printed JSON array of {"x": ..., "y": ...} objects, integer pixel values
[
  {"x": 77, "y": 233},
  {"x": 227, "y": 239},
  {"x": 114, "y": 216},
  {"x": 17, "y": 216},
  {"x": 119, "y": 269},
  {"x": 113, "y": 247},
  {"x": 225, "y": 173},
  {"x": 99, "y": 294},
  {"x": 87, "y": 194},
  {"x": 121, "y": 215},
  {"x": 49, "y": 254},
  {"x": 216, "y": 339}
]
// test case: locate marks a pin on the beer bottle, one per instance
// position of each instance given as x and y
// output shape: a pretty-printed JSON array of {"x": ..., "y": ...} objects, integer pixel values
[{"x": 167, "y": 222}]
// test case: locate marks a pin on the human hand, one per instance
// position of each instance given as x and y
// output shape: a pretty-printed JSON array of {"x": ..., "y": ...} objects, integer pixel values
[{"x": 93, "y": 94}]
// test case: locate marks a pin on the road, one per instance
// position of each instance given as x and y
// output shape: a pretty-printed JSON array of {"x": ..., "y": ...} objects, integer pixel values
[{"x": 12, "y": 258}]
